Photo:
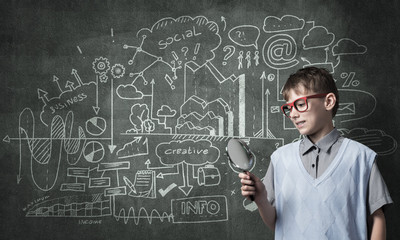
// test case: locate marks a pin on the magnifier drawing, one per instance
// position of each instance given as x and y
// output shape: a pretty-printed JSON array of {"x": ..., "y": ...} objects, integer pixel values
[{"x": 240, "y": 155}]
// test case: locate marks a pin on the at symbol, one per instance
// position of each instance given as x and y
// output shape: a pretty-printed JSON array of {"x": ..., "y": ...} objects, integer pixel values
[{"x": 279, "y": 52}]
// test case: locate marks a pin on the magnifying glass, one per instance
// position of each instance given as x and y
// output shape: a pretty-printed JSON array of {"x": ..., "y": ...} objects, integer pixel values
[{"x": 240, "y": 155}]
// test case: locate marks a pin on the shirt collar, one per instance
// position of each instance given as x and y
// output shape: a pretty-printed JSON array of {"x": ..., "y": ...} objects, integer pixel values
[{"x": 323, "y": 144}]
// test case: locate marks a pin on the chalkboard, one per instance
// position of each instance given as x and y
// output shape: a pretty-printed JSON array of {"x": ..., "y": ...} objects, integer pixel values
[{"x": 115, "y": 114}]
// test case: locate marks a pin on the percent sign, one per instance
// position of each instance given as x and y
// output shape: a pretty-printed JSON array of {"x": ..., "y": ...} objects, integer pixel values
[{"x": 349, "y": 79}]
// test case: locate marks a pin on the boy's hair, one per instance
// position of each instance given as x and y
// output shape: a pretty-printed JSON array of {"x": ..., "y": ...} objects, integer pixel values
[{"x": 313, "y": 79}]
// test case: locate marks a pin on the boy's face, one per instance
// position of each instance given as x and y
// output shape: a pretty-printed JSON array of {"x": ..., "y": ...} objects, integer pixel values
[{"x": 316, "y": 121}]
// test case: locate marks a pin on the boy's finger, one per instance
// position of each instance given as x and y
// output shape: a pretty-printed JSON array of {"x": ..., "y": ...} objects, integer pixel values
[
  {"x": 244, "y": 176},
  {"x": 247, "y": 181},
  {"x": 251, "y": 176}
]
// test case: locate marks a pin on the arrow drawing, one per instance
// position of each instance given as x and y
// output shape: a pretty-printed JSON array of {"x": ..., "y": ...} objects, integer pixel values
[
  {"x": 186, "y": 188},
  {"x": 76, "y": 75},
  {"x": 55, "y": 79},
  {"x": 112, "y": 146},
  {"x": 96, "y": 107}
]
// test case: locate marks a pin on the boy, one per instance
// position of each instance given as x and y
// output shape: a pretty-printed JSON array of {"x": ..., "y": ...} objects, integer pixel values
[{"x": 324, "y": 186}]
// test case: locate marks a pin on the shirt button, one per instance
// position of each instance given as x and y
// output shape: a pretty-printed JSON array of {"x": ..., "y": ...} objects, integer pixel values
[{"x": 313, "y": 165}]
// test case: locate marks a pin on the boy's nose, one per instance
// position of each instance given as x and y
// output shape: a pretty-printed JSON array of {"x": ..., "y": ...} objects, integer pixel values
[{"x": 294, "y": 113}]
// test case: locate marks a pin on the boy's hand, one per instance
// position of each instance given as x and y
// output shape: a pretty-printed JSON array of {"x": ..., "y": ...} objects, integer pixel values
[{"x": 252, "y": 187}]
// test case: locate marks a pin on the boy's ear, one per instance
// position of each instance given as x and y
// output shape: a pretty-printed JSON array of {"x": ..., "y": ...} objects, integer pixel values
[{"x": 330, "y": 101}]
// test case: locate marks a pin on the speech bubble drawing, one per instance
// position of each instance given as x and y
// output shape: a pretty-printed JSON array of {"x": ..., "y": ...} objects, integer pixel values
[
  {"x": 245, "y": 35},
  {"x": 179, "y": 39},
  {"x": 192, "y": 152}
]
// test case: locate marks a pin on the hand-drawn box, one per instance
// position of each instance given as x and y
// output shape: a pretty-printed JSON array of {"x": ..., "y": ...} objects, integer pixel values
[{"x": 199, "y": 209}]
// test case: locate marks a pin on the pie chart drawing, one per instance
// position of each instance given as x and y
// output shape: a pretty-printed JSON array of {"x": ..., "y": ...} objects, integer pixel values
[
  {"x": 94, "y": 152},
  {"x": 96, "y": 126}
]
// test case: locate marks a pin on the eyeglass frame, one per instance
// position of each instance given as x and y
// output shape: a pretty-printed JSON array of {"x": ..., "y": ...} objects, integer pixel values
[{"x": 292, "y": 105}]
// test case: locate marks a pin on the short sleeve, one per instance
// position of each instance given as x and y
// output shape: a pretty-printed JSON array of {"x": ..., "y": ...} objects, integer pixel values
[
  {"x": 269, "y": 184},
  {"x": 378, "y": 193}
]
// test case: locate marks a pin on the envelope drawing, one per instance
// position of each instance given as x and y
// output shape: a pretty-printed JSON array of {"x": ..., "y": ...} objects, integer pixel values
[
  {"x": 346, "y": 109},
  {"x": 275, "y": 109}
]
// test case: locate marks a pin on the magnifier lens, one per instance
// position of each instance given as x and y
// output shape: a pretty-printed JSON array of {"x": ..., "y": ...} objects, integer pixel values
[{"x": 239, "y": 154}]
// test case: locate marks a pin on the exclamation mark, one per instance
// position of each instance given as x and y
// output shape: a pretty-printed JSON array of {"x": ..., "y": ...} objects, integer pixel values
[
  {"x": 196, "y": 50},
  {"x": 112, "y": 34},
  {"x": 169, "y": 81},
  {"x": 79, "y": 49},
  {"x": 175, "y": 55}
]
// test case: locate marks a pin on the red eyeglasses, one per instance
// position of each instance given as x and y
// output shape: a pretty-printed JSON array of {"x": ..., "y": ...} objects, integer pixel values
[{"x": 300, "y": 104}]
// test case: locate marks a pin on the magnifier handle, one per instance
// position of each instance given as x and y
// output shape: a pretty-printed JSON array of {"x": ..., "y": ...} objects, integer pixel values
[{"x": 250, "y": 196}]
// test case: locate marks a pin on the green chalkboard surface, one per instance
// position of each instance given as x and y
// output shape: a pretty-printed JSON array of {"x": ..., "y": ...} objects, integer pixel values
[{"x": 116, "y": 114}]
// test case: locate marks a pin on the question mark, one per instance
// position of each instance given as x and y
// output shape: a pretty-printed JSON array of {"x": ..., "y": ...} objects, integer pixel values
[
  {"x": 231, "y": 50},
  {"x": 240, "y": 34},
  {"x": 185, "y": 50}
]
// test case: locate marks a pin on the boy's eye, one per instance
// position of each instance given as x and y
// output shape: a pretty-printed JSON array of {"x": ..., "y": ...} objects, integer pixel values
[
  {"x": 287, "y": 108},
  {"x": 300, "y": 104}
]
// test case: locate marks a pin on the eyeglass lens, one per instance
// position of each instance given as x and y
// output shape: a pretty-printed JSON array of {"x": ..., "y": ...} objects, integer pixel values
[{"x": 300, "y": 105}]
